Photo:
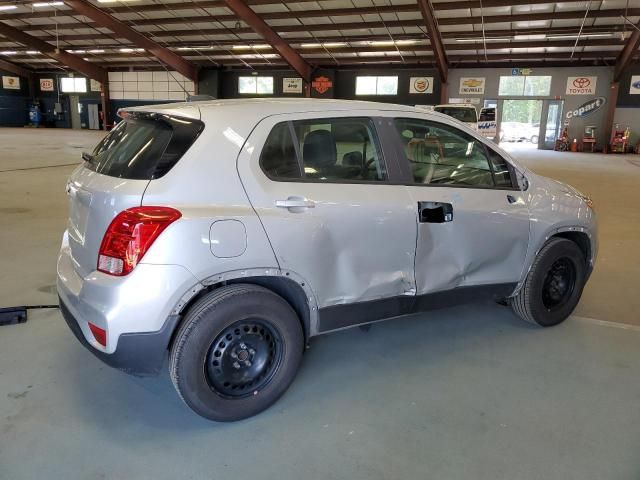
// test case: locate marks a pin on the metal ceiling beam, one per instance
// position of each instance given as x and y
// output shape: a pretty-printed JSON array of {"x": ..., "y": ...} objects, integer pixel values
[
  {"x": 119, "y": 28},
  {"x": 439, "y": 6},
  {"x": 338, "y": 12},
  {"x": 251, "y": 18},
  {"x": 358, "y": 26},
  {"x": 385, "y": 37},
  {"x": 630, "y": 49},
  {"x": 431, "y": 23},
  {"x": 16, "y": 69},
  {"x": 112, "y": 50},
  {"x": 72, "y": 61}
]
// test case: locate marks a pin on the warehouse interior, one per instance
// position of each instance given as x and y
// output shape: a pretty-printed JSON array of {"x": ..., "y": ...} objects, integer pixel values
[{"x": 457, "y": 393}]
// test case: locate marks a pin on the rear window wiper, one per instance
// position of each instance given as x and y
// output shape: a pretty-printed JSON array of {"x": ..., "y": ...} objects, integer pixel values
[{"x": 87, "y": 157}]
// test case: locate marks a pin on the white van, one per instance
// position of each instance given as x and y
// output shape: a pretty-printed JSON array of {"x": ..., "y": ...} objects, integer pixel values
[{"x": 461, "y": 112}]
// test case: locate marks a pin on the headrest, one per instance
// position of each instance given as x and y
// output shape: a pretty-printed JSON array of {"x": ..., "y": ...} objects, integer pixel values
[
  {"x": 352, "y": 159},
  {"x": 319, "y": 150}
]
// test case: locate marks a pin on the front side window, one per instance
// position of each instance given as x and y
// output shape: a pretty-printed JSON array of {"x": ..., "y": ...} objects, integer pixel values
[
  {"x": 326, "y": 150},
  {"x": 255, "y": 85},
  {"x": 443, "y": 155},
  {"x": 382, "y": 85}
]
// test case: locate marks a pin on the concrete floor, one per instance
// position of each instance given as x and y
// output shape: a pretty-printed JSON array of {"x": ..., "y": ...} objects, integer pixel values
[{"x": 467, "y": 392}]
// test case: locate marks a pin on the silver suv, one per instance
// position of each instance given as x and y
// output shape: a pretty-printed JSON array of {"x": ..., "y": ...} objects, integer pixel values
[{"x": 226, "y": 234}]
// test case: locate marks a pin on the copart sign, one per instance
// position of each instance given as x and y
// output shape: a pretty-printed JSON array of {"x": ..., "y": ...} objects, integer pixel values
[
  {"x": 587, "y": 108},
  {"x": 581, "y": 85}
]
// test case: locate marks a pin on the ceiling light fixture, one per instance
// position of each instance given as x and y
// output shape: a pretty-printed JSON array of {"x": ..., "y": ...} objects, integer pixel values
[
  {"x": 480, "y": 40},
  {"x": 47, "y": 4},
  {"x": 33, "y": 52},
  {"x": 584, "y": 35},
  {"x": 95, "y": 51},
  {"x": 129, "y": 50},
  {"x": 9, "y": 52},
  {"x": 8, "y": 7}
]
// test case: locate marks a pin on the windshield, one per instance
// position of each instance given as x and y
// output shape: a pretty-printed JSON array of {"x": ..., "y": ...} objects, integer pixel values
[
  {"x": 467, "y": 115},
  {"x": 143, "y": 148}
]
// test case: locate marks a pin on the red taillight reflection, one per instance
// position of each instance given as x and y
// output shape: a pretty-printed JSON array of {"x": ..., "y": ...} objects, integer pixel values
[{"x": 130, "y": 235}]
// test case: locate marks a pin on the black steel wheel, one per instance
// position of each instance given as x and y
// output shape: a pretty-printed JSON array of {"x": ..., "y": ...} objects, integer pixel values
[
  {"x": 554, "y": 284},
  {"x": 236, "y": 352},
  {"x": 559, "y": 284},
  {"x": 243, "y": 358}
]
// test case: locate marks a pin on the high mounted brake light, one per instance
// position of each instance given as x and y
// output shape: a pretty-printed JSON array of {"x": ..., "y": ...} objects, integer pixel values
[{"x": 130, "y": 235}]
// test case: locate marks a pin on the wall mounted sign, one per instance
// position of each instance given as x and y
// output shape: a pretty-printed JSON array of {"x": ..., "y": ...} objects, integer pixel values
[
  {"x": 11, "y": 83},
  {"x": 475, "y": 101},
  {"x": 321, "y": 84},
  {"x": 421, "y": 85},
  {"x": 587, "y": 108},
  {"x": 95, "y": 86},
  {"x": 488, "y": 129},
  {"x": 581, "y": 85},
  {"x": 521, "y": 71},
  {"x": 46, "y": 85},
  {"x": 634, "y": 88},
  {"x": 472, "y": 85},
  {"x": 292, "y": 85}
]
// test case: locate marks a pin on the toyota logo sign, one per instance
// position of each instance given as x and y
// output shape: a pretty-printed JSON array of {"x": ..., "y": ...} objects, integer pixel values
[{"x": 581, "y": 82}]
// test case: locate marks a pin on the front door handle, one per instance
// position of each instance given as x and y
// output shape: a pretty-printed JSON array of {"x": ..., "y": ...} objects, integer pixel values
[
  {"x": 511, "y": 199},
  {"x": 295, "y": 202},
  {"x": 435, "y": 212}
]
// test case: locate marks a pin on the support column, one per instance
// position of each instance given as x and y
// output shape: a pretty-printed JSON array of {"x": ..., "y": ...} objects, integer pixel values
[{"x": 611, "y": 111}]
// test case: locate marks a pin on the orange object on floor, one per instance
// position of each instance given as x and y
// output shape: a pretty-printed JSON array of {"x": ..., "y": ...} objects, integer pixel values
[{"x": 574, "y": 145}]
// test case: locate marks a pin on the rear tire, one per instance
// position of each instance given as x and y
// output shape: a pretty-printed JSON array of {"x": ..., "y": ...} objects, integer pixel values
[
  {"x": 554, "y": 284},
  {"x": 236, "y": 352}
]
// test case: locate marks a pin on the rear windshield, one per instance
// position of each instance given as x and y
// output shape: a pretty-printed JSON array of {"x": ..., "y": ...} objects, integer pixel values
[
  {"x": 463, "y": 114},
  {"x": 144, "y": 147}
]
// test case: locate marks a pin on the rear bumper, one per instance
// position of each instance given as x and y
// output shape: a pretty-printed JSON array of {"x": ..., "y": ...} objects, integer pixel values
[
  {"x": 136, "y": 311},
  {"x": 139, "y": 354}
]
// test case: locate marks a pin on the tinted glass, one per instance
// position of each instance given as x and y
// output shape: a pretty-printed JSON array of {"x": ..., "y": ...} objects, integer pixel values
[
  {"x": 331, "y": 150},
  {"x": 144, "y": 148},
  {"x": 443, "y": 155},
  {"x": 468, "y": 115}
]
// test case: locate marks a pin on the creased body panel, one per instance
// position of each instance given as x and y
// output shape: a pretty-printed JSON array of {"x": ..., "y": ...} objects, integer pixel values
[
  {"x": 485, "y": 243},
  {"x": 356, "y": 243}
]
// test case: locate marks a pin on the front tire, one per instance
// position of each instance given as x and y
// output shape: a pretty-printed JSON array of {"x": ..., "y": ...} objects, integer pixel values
[
  {"x": 554, "y": 284},
  {"x": 236, "y": 352}
]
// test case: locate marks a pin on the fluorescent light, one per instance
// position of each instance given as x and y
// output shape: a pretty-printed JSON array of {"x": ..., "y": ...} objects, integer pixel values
[
  {"x": 325, "y": 45},
  {"x": 129, "y": 50},
  {"x": 480, "y": 39},
  {"x": 249, "y": 47},
  {"x": 8, "y": 52},
  {"x": 76, "y": 51},
  {"x": 47, "y": 4},
  {"x": 584, "y": 35},
  {"x": 33, "y": 52},
  {"x": 114, "y": 1},
  {"x": 8, "y": 7},
  {"x": 95, "y": 51}
]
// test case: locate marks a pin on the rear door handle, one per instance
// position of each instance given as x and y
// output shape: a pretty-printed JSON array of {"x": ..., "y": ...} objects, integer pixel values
[{"x": 295, "y": 202}]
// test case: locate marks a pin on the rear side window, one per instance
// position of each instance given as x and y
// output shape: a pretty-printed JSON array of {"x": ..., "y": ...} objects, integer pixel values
[
  {"x": 144, "y": 147},
  {"x": 337, "y": 150}
]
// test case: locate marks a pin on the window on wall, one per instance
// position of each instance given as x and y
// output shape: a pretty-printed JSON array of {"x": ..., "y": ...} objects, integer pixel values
[
  {"x": 73, "y": 85},
  {"x": 525, "y": 86},
  {"x": 255, "y": 85},
  {"x": 384, "y": 85}
]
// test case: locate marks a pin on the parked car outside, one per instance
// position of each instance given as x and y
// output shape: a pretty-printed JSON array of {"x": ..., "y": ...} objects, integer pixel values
[
  {"x": 462, "y": 112},
  {"x": 227, "y": 234}
]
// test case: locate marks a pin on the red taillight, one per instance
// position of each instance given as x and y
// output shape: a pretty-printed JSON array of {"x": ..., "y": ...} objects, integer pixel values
[
  {"x": 99, "y": 334},
  {"x": 130, "y": 235}
]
